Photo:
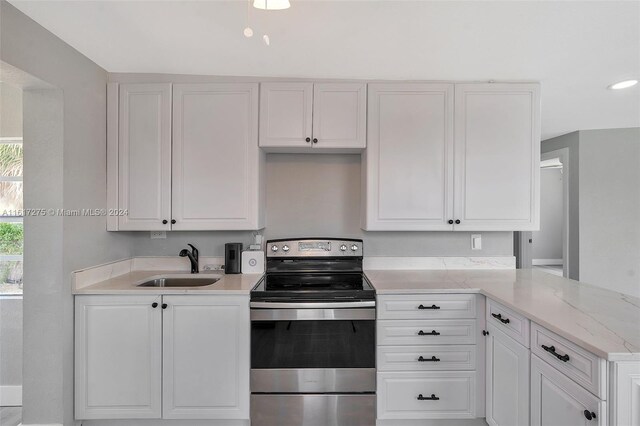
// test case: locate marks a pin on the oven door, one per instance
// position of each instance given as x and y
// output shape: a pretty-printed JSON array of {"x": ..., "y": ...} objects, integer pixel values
[{"x": 318, "y": 350}]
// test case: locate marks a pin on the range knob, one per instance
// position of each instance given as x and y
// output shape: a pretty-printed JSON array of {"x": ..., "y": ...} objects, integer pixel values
[
  {"x": 354, "y": 247},
  {"x": 343, "y": 248},
  {"x": 285, "y": 248},
  {"x": 274, "y": 248}
]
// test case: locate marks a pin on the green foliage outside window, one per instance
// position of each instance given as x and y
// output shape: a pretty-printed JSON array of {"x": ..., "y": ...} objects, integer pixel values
[{"x": 11, "y": 238}]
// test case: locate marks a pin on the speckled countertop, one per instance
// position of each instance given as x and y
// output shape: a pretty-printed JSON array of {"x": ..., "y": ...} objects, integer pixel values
[{"x": 602, "y": 321}]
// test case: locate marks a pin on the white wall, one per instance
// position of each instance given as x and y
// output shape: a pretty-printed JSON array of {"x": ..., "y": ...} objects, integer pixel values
[
  {"x": 610, "y": 209},
  {"x": 10, "y": 110},
  {"x": 67, "y": 169},
  {"x": 314, "y": 195},
  {"x": 547, "y": 242}
]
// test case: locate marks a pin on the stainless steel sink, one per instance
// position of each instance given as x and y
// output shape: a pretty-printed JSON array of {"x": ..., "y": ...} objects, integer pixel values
[{"x": 179, "y": 282}]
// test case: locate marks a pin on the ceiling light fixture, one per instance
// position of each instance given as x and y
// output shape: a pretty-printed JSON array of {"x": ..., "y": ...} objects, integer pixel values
[
  {"x": 623, "y": 84},
  {"x": 271, "y": 4}
]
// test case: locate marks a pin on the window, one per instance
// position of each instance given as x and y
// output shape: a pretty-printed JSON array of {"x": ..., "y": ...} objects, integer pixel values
[{"x": 11, "y": 225}]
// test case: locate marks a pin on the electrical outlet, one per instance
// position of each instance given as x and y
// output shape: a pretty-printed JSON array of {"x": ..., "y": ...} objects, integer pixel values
[
  {"x": 158, "y": 234},
  {"x": 476, "y": 242}
]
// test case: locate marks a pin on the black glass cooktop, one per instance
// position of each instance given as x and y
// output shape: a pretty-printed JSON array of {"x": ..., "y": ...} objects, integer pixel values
[{"x": 313, "y": 286}]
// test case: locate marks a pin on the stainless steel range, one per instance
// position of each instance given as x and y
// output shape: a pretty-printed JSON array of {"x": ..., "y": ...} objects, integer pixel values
[{"x": 313, "y": 336}]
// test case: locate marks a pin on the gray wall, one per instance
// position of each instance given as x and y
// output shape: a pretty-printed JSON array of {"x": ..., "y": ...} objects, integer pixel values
[
  {"x": 11, "y": 341},
  {"x": 319, "y": 195},
  {"x": 547, "y": 243},
  {"x": 67, "y": 163},
  {"x": 570, "y": 141},
  {"x": 610, "y": 209}
]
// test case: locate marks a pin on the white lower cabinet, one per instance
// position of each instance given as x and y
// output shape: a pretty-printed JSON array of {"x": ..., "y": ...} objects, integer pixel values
[
  {"x": 205, "y": 357},
  {"x": 429, "y": 358},
  {"x": 118, "y": 360},
  {"x": 171, "y": 357},
  {"x": 556, "y": 400},
  {"x": 507, "y": 385}
]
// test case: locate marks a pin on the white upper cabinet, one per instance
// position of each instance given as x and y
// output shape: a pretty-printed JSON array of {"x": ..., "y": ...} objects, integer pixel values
[
  {"x": 339, "y": 115},
  {"x": 497, "y": 152},
  {"x": 298, "y": 117},
  {"x": 184, "y": 157},
  {"x": 144, "y": 157},
  {"x": 216, "y": 159},
  {"x": 408, "y": 164},
  {"x": 286, "y": 114},
  {"x": 432, "y": 167}
]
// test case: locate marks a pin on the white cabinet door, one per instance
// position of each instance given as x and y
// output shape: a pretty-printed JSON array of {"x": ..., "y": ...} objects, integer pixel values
[
  {"x": 507, "y": 385},
  {"x": 285, "y": 115},
  {"x": 497, "y": 151},
  {"x": 409, "y": 158},
  {"x": 557, "y": 400},
  {"x": 118, "y": 343},
  {"x": 144, "y": 157},
  {"x": 206, "y": 357},
  {"x": 217, "y": 164},
  {"x": 339, "y": 115}
]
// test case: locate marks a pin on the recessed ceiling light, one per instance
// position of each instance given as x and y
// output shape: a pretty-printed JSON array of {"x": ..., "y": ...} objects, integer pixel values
[{"x": 623, "y": 84}]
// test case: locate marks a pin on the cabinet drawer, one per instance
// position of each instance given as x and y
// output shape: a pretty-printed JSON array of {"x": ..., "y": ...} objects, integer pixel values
[
  {"x": 426, "y": 332},
  {"x": 427, "y": 306},
  {"x": 399, "y": 393},
  {"x": 420, "y": 358},
  {"x": 579, "y": 365},
  {"x": 514, "y": 325}
]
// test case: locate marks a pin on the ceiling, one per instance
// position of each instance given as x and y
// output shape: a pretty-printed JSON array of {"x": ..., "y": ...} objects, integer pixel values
[{"x": 576, "y": 49}]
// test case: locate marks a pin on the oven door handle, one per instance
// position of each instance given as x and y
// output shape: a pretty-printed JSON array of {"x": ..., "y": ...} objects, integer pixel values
[{"x": 313, "y": 305}]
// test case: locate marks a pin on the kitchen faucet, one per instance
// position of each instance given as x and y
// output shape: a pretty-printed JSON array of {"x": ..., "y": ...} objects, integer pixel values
[{"x": 193, "y": 258}]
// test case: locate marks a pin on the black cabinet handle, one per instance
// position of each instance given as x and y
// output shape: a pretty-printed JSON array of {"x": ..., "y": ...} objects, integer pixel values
[
  {"x": 173, "y": 221},
  {"x": 433, "y": 358},
  {"x": 164, "y": 306},
  {"x": 590, "y": 415},
  {"x": 433, "y": 333},
  {"x": 428, "y": 307},
  {"x": 485, "y": 333},
  {"x": 552, "y": 351},
  {"x": 450, "y": 221},
  {"x": 315, "y": 140},
  {"x": 164, "y": 222},
  {"x": 433, "y": 397},
  {"x": 154, "y": 305},
  {"x": 308, "y": 140},
  {"x": 499, "y": 318},
  {"x": 457, "y": 221}
]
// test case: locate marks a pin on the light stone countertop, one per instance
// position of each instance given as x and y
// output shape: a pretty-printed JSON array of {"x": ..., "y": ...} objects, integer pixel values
[
  {"x": 127, "y": 284},
  {"x": 604, "y": 322}
]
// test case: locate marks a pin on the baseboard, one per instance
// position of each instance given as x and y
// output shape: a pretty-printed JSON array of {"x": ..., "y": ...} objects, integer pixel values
[
  {"x": 10, "y": 396},
  {"x": 541, "y": 262},
  {"x": 433, "y": 422}
]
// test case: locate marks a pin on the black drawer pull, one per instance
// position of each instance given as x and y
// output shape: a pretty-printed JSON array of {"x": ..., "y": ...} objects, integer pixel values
[
  {"x": 499, "y": 318},
  {"x": 433, "y": 333},
  {"x": 433, "y": 397},
  {"x": 552, "y": 351},
  {"x": 428, "y": 307},
  {"x": 433, "y": 358},
  {"x": 590, "y": 415}
]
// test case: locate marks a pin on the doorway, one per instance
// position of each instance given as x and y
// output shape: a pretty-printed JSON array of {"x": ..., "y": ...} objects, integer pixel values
[{"x": 548, "y": 248}]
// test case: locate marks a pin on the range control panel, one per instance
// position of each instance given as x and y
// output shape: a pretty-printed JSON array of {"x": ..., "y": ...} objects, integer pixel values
[{"x": 314, "y": 247}]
